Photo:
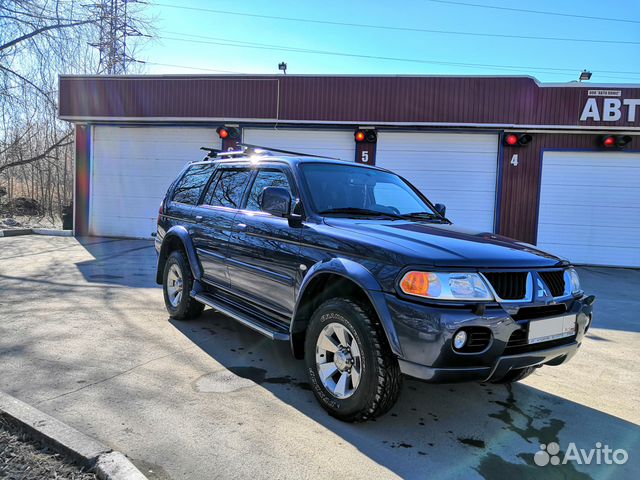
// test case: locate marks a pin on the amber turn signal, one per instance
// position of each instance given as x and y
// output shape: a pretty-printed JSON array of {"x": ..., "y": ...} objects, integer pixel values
[{"x": 415, "y": 283}]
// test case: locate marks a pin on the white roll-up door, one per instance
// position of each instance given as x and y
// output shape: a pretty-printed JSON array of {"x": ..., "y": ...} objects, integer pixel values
[
  {"x": 457, "y": 169},
  {"x": 131, "y": 169},
  {"x": 590, "y": 207},
  {"x": 330, "y": 143}
]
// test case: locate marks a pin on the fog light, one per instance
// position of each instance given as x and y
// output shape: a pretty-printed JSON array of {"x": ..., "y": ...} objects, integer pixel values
[{"x": 460, "y": 339}]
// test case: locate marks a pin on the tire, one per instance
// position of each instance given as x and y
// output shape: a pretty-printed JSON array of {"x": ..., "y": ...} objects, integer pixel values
[
  {"x": 515, "y": 375},
  {"x": 177, "y": 282},
  {"x": 373, "y": 374}
]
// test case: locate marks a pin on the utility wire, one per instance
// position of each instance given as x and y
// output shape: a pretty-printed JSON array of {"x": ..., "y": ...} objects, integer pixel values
[
  {"x": 406, "y": 29},
  {"x": 189, "y": 67},
  {"x": 538, "y": 12},
  {"x": 264, "y": 46}
]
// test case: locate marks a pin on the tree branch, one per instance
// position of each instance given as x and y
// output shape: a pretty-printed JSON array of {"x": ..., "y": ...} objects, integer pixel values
[
  {"x": 60, "y": 143},
  {"x": 38, "y": 31},
  {"x": 24, "y": 79}
]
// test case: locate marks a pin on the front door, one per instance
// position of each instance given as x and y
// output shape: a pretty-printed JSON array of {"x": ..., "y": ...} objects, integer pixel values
[{"x": 264, "y": 251}]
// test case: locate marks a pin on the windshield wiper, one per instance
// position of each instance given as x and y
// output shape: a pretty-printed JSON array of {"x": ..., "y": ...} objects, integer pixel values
[
  {"x": 360, "y": 211},
  {"x": 425, "y": 216}
]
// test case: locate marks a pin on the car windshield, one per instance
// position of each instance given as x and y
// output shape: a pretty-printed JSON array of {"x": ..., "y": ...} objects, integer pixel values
[{"x": 355, "y": 191}]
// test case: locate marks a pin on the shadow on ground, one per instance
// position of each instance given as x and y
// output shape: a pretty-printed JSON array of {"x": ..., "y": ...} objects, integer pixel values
[
  {"x": 124, "y": 262},
  {"x": 431, "y": 424}
]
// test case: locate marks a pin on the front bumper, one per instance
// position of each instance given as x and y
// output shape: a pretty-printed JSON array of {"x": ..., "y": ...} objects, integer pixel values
[
  {"x": 425, "y": 335},
  {"x": 550, "y": 356}
]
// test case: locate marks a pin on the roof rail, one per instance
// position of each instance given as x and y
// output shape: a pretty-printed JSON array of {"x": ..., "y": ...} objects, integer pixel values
[
  {"x": 287, "y": 152},
  {"x": 250, "y": 149}
]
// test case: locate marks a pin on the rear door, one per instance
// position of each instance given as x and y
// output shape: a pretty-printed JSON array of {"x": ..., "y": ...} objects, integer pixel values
[
  {"x": 264, "y": 251},
  {"x": 181, "y": 208},
  {"x": 213, "y": 220}
]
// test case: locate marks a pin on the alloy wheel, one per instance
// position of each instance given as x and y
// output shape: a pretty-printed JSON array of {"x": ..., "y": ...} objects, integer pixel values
[
  {"x": 338, "y": 360},
  {"x": 174, "y": 285}
]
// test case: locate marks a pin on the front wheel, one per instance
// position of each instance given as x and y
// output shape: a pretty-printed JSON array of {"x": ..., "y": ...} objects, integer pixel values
[
  {"x": 176, "y": 286},
  {"x": 352, "y": 371}
]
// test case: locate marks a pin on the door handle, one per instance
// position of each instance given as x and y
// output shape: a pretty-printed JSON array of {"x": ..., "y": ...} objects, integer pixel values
[
  {"x": 241, "y": 226},
  {"x": 198, "y": 218}
]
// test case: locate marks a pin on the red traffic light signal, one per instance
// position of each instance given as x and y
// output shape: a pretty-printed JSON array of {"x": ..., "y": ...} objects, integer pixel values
[
  {"x": 228, "y": 132},
  {"x": 516, "y": 139},
  {"x": 368, "y": 135},
  {"x": 614, "y": 141}
]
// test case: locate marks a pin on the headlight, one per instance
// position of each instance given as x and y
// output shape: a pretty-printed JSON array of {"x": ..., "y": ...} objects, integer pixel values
[
  {"x": 445, "y": 286},
  {"x": 574, "y": 280}
]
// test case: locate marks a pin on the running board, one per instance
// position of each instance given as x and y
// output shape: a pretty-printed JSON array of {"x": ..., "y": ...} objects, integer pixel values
[{"x": 243, "y": 318}]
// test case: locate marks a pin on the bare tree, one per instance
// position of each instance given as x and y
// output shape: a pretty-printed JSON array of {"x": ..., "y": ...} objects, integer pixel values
[{"x": 40, "y": 39}]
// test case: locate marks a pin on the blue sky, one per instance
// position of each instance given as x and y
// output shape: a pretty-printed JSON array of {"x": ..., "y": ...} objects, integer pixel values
[{"x": 619, "y": 59}]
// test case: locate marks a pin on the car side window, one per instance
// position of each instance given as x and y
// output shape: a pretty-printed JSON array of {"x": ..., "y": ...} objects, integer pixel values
[
  {"x": 190, "y": 186},
  {"x": 228, "y": 188},
  {"x": 264, "y": 179}
]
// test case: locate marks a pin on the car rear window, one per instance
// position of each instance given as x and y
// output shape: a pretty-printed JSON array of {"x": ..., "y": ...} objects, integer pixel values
[
  {"x": 190, "y": 186},
  {"x": 228, "y": 188}
]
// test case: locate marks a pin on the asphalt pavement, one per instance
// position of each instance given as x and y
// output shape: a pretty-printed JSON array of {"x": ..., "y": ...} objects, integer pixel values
[{"x": 84, "y": 336}]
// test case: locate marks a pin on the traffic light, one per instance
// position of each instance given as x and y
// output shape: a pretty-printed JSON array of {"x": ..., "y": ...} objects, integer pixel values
[
  {"x": 614, "y": 141},
  {"x": 367, "y": 135},
  {"x": 228, "y": 132},
  {"x": 516, "y": 139}
]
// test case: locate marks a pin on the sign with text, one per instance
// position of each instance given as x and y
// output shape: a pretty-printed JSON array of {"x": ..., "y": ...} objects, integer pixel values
[{"x": 609, "y": 109}]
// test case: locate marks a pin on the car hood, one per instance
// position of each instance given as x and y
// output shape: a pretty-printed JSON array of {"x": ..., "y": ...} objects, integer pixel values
[{"x": 447, "y": 245}]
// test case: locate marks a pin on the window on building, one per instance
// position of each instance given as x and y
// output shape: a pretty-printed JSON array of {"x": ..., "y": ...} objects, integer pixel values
[
  {"x": 264, "y": 179},
  {"x": 190, "y": 186},
  {"x": 228, "y": 188}
]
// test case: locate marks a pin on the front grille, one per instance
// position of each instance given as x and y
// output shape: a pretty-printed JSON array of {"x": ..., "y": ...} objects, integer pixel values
[
  {"x": 527, "y": 313},
  {"x": 518, "y": 343},
  {"x": 508, "y": 285},
  {"x": 555, "y": 281},
  {"x": 516, "y": 340}
]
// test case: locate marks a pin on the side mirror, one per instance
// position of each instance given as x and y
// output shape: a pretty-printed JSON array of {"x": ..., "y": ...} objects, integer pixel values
[
  {"x": 276, "y": 201},
  {"x": 441, "y": 208}
]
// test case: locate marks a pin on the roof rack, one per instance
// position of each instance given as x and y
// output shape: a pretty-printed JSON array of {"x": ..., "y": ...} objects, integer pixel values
[
  {"x": 213, "y": 152},
  {"x": 250, "y": 149},
  {"x": 287, "y": 152}
]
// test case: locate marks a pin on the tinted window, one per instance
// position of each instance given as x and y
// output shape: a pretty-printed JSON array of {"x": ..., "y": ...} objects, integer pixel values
[
  {"x": 264, "y": 179},
  {"x": 334, "y": 186},
  {"x": 228, "y": 189},
  {"x": 190, "y": 186}
]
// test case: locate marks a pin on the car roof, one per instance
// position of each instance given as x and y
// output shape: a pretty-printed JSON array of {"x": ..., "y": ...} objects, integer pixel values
[{"x": 292, "y": 160}]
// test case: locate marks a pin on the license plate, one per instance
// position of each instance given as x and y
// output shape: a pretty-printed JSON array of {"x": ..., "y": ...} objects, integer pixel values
[{"x": 552, "y": 328}]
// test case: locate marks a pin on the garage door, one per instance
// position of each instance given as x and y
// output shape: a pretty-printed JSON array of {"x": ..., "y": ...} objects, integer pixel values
[
  {"x": 590, "y": 207},
  {"x": 131, "y": 170},
  {"x": 456, "y": 169},
  {"x": 330, "y": 143}
]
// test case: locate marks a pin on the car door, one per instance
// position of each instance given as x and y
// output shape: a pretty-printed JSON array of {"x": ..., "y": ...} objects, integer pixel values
[
  {"x": 264, "y": 250},
  {"x": 214, "y": 218},
  {"x": 181, "y": 209}
]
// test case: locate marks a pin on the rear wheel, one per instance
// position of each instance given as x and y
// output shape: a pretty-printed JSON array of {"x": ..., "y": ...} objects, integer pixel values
[
  {"x": 352, "y": 371},
  {"x": 515, "y": 375},
  {"x": 177, "y": 284}
]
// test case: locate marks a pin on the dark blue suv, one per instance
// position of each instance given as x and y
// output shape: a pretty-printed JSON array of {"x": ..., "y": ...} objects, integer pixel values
[{"x": 363, "y": 275}]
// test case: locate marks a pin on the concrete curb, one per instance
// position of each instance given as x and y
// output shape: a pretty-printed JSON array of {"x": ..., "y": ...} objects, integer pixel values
[
  {"x": 36, "y": 231},
  {"x": 106, "y": 463},
  {"x": 16, "y": 232},
  {"x": 52, "y": 232}
]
